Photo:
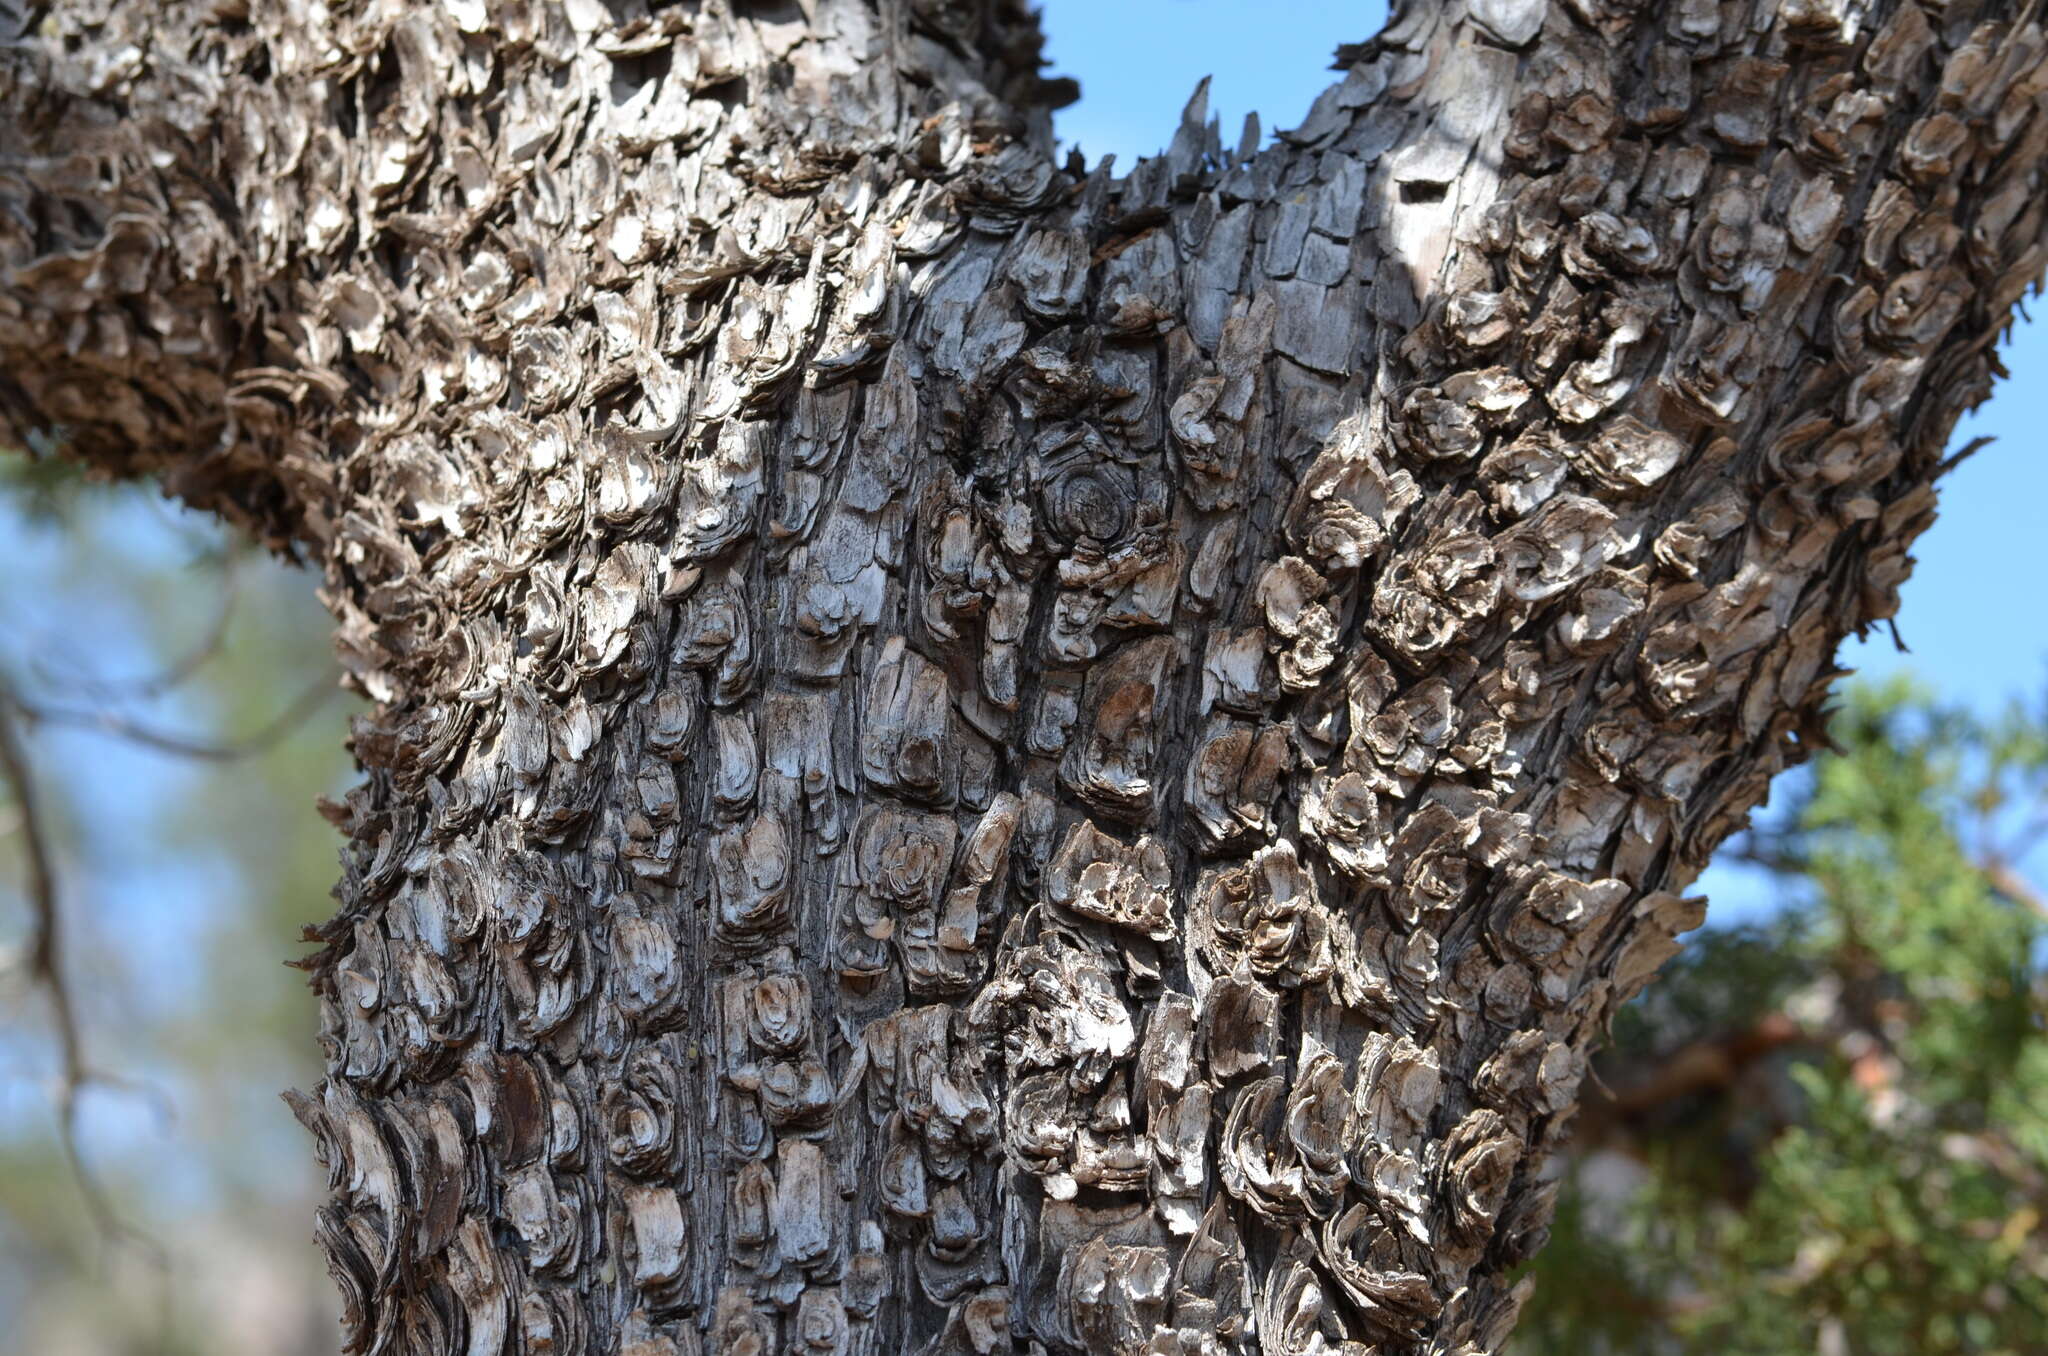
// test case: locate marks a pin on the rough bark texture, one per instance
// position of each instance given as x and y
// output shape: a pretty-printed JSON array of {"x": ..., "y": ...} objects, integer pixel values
[{"x": 972, "y": 757}]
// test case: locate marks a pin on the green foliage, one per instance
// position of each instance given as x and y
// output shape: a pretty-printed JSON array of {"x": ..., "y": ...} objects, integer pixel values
[{"x": 1868, "y": 1173}]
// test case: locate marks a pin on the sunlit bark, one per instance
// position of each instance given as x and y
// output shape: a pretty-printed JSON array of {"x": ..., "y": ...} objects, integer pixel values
[{"x": 972, "y": 756}]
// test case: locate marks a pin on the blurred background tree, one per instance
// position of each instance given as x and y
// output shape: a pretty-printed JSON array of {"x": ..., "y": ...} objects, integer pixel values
[{"x": 1829, "y": 1133}]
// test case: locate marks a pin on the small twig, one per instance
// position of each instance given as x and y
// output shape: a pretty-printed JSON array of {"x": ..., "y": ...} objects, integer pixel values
[
  {"x": 46, "y": 967},
  {"x": 107, "y": 722},
  {"x": 180, "y": 670},
  {"x": 1962, "y": 454},
  {"x": 1771, "y": 856},
  {"x": 2014, "y": 886},
  {"x": 1703, "y": 1065}
]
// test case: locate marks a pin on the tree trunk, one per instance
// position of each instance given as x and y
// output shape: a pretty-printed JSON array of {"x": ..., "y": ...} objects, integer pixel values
[{"x": 971, "y": 757}]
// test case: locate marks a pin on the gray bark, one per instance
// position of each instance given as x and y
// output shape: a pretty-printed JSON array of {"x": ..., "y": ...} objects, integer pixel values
[{"x": 971, "y": 756}]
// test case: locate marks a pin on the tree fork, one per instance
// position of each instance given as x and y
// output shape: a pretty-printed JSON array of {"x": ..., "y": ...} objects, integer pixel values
[{"x": 977, "y": 757}]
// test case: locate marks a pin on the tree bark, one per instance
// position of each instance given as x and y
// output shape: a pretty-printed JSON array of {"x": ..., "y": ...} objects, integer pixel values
[{"x": 977, "y": 757}]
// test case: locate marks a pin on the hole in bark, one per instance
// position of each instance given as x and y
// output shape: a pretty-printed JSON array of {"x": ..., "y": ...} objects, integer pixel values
[
  {"x": 632, "y": 74},
  {"x": 772, "y": 11},
  {"x": 382, "y": 85},
  {"x": 1422, "y": 190}
]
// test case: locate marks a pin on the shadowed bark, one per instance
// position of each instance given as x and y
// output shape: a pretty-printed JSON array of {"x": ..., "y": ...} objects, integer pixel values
[{"x": 977, "y": 757}]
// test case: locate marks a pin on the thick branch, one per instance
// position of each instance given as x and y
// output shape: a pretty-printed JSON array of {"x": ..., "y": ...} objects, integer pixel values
[{"x": 967, "y": 757}]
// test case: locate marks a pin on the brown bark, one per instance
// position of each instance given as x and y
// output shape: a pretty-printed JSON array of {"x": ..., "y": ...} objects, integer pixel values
[{"x": 972, "y": 758}]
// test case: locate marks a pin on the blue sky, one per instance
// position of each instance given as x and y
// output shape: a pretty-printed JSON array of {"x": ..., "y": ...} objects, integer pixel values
[
  {"x": 1972, "y": 615},
  {"x": 1973, "y": 637}
]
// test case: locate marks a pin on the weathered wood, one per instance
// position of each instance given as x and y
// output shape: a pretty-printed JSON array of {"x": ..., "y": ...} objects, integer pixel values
[{"x": 975, "y": 756}]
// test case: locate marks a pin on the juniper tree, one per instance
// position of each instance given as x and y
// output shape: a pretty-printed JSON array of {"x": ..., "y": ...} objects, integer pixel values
[{"x": 972, "y": 753}]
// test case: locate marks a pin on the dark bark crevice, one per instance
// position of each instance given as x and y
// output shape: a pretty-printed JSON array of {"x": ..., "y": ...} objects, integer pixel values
[{"x": 973, "y": 759}]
